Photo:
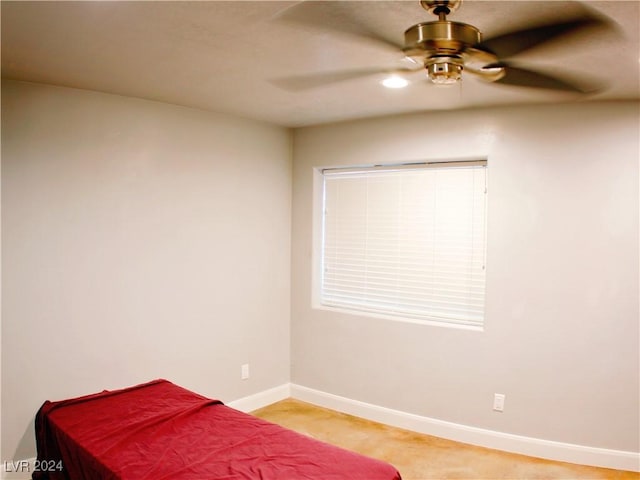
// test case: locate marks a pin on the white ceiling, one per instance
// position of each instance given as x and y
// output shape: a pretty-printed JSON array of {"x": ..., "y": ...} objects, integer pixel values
[{"x": 225, "y": 56}]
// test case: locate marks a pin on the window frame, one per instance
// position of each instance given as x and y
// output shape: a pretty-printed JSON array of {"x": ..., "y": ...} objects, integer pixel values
[{"x": 319, "y": 230}]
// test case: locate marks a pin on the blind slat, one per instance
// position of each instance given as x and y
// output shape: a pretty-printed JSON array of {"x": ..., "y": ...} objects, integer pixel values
[{"x": 407, "y": 242}]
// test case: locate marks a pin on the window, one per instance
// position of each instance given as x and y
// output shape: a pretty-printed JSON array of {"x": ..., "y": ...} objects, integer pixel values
[{"x": 406, "y": 241}]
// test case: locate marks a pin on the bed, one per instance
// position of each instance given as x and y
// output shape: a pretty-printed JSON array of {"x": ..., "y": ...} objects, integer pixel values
[{"x": 160, "y": 431}]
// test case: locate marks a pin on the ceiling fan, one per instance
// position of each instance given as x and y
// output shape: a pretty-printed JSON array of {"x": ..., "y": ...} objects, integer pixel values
[{"x": 448, "y": 49}]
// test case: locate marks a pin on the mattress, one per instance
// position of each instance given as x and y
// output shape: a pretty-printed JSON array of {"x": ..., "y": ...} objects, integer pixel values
[{"x": 161, "y": 431}]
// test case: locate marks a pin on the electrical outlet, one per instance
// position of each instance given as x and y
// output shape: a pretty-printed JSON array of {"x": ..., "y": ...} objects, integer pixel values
[
  {"x": 498, "y": 402},
  {"x": 244, "y": 371}
]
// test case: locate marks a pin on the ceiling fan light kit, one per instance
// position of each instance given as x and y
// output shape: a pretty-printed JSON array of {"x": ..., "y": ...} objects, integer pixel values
[
  {"x": 444, "y": 70},
  {"x": 395, "y": 81}
]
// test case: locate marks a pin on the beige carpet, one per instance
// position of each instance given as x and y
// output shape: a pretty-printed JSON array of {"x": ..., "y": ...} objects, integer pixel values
[{"x": 423, "y": 457}]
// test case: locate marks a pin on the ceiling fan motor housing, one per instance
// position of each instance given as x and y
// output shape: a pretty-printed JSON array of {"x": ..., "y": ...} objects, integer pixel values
[
  {"x": 439, "y": 38},
  {"x": 445, "y": 48}
]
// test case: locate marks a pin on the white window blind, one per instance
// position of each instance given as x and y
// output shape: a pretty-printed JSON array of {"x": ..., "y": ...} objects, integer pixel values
[{"x": 407, "y": 242}]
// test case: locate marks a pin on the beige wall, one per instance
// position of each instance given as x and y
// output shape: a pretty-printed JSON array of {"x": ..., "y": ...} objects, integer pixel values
[
  {"x": 139, "y": 240},
  {"x": 561, "y": 332}
]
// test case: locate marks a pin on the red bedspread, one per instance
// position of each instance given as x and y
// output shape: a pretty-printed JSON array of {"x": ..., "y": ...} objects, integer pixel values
[{"x": 159, "y": 431}]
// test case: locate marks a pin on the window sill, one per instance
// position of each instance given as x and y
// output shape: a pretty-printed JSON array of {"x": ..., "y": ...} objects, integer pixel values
[{"x": 397, "y": 318}]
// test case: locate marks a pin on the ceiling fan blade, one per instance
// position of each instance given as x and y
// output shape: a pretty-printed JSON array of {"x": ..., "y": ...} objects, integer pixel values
[
  {"x": 307, "y": 82},
  {"x": 521, "y": 77},
  {"x": 512, "y": 43},
  {"x": 337, "y": 17}
]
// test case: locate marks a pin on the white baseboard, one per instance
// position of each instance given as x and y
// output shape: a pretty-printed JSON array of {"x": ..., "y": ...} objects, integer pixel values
[
  {"x": 535, "y": 447},
  {"x": 261, "y": 399}
]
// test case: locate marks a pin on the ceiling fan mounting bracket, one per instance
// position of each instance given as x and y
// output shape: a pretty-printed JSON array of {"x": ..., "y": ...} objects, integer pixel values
[{"x": 436, "y": 7}]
